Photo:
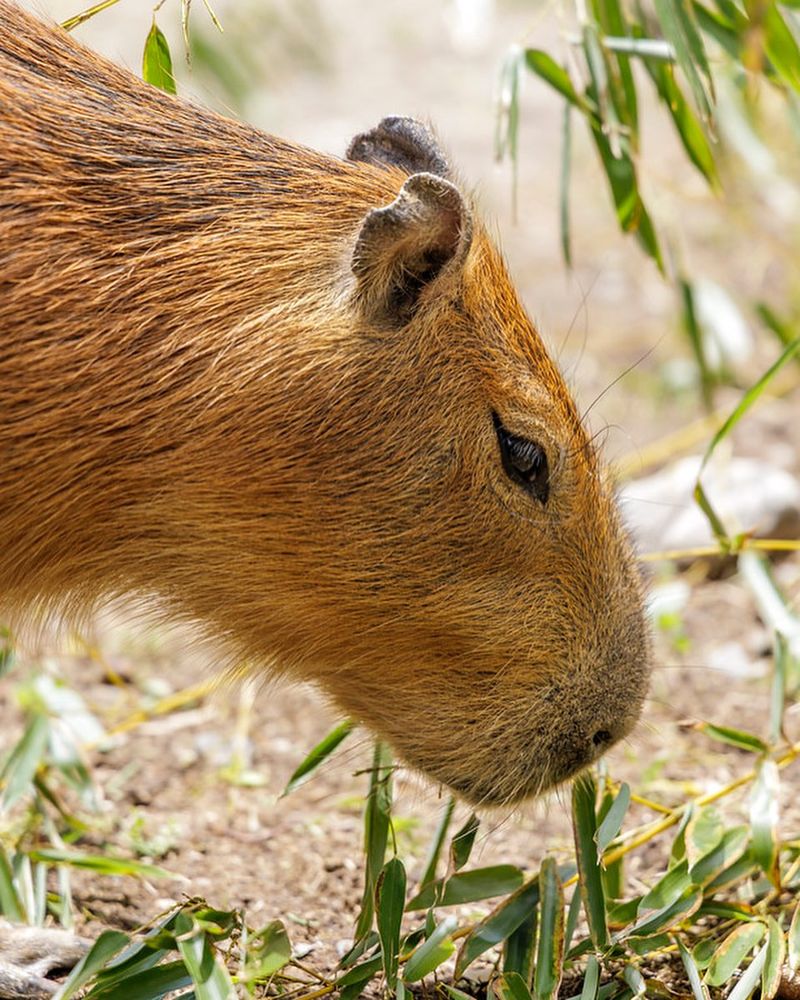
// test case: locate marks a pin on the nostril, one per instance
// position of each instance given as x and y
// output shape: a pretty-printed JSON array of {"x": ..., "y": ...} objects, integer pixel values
[{"x": 601, "y": 737}]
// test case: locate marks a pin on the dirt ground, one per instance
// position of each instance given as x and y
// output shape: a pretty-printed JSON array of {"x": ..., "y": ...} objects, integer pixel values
[{"x": 322, "y": 75}]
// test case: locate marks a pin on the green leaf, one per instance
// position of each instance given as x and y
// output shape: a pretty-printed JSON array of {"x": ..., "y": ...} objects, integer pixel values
[
  {"x": 550, "y": 951},
  {"x": 750, "y": 979},
  {"x": 462, "y": 843},
  {"x": 733, "y": 874},
  {"x": 109, "y": 943},
  {"x": 667, "y": 889},
  {"x": 6, "y": 652},
  {"x": 623, "y": 90},
  {"x": 545, "y": 67},
  {"x": 566, "y": 166},
  {"x": 519, "y": 952},
  {"x": 431, "y": 953},
  {"x": 145, "y": 984},
  {"x": 437, "y": 843},
  {"x": 773, "y": 966},
  {"x": 782, "y": 328},
  {"x": 635, "y": 980},
  {"x": 730, "y": 849},
  {"x": 680, "y": 28},
  {"x": 591, "y": 979},
  {"x": 779, "y": 684},
  {"x": 268, "y": 950},
  {"x": 704, "y": 831},
  {"x": 377, "y": 820},
  {"x": 573, "y": 915},
  {"x": 391, "y": 901},
  {"x": 781, "y": 46},
  {"x": 690, "y": 130},
  {"x": 734, "y": 737},
  {"x": 666, "y": 918},
  {"x": 511, "y": 986},
  {"x": 320, "y": 753},
  {"x": 157, "y": 61},
  {"x": 24, "y": 761},
  {"x": 11, "y": 905},
  {"x": 699, "y": 989},
  {"x": 678, "y": 850},
  {"x": 612, "y": 820},
  {"x": 584, "y": 827},
  {"x": 101, "y": 863},
  {"x": 764, "y": 813},
  {"x": 498, "y": 925},
  {"x": 506, "y": 142},
  {"x": 793, "y": 940},
  {"x": 632, "y": 215},
  {"x": 691, "y": 325},
  {"x": 360, "y": 974},
  {"x": 210, "y": 978},
  {"x": 730, "y": 954},
  {"x": 749, "y": 398},
  {"x": 469, "y": 887}
]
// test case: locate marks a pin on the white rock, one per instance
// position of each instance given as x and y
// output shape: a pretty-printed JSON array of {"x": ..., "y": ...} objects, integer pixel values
[{"x": 748, "y": 495}]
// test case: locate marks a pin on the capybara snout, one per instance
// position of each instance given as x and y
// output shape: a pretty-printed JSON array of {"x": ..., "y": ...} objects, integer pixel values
[{"x": 296, "y": 399}]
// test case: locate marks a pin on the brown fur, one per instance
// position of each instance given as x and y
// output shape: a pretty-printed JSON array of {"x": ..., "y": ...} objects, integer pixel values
[{"x": 199, "y": 400}]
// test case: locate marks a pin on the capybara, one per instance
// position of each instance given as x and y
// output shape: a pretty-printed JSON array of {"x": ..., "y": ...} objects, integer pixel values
[{"x": 295, "y": 400}]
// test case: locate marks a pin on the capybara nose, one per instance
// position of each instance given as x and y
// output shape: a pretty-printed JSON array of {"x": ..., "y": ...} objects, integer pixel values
[
  {"x": 577, "y": 750},
  {"x": 602, "y": 738}
]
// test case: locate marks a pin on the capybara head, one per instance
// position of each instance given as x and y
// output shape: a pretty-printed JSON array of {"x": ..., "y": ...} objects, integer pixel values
[
  {"x": 298, "y": 398},
  {"x": 485, "y": 611}
]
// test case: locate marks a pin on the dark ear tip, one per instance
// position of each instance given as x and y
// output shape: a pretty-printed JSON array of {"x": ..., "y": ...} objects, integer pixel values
[{"x": 401, "y": 142}]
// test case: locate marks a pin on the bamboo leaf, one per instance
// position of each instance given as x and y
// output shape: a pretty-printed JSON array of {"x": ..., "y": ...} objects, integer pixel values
[
  {"x": 511, "y": 986},
  {"x": 318, "y": 755},
  {"x": 612, "y": 821},
  {"x": 498, "y": 925},
  {"x": 24, "y": 761},
  {"x": 584, "y": 826},
  {"x": 545, "y": 67},
  {"x": 773, "y": 965},
  {"x": 680, "y": 29},
  {"x": 157, "y": 61},
  {"x": 733, "y": 950},
  {"x": 431, "y": 953},
  {"x": 734, "y": 737},
  {"x": 793, "y": 940},
  {"x": 688, "y": 126},
  {"x": 781, "y": 46},
  {"x": 764, "y": 814},
  {"x": 109, "y": 943},
  {"x": 468, "y": 887},
  {"x": 666, "y": 918},
  {"x": 390, "y": 903},
  {"x": 377, "y": 821},
  {"x": 749, "y": 981},
  {"x": 550, "y": 951},
  {"x": 437, "y": 843},
  {"x": 566, "y": 167},
  {"x": 748, "y": 399},
  {"x": 519, "y": 952},
  {"x": 268, "y": 951},
  {"x": 699, "y": 989},
  {"x": 463, "y": 841},
  {"x": 730, "y": 849}
]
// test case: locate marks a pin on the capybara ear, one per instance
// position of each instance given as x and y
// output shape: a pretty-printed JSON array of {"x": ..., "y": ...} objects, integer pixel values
[
  {"x": 404, "y": 246},
  {"x": 400, "y": 142}
]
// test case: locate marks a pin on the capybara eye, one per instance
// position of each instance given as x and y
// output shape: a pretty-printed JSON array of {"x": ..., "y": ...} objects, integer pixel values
[{"x": 524, "y": 461}]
